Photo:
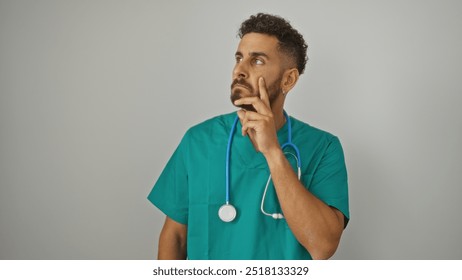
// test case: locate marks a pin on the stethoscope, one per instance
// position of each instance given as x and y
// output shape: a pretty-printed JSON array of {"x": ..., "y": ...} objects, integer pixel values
[{"x": 227, "y": 211}]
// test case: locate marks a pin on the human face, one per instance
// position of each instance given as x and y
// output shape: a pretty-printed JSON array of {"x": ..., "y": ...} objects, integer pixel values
[{"x": 257, "y": 56}]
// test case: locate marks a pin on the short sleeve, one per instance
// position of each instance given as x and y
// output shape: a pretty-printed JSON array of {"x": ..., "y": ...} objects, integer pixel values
[
  {"x": 170, "y": 192},
  {"x": 330, "y": 181}
]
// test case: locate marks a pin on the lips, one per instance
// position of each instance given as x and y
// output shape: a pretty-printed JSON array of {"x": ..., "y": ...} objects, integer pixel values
[{"x": 241, "y": 85}]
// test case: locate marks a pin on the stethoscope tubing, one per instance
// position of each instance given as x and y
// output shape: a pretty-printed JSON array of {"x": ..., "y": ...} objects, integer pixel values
[
  {"x": 230, "y": 140},
  {"x": 228, "y": 156}
]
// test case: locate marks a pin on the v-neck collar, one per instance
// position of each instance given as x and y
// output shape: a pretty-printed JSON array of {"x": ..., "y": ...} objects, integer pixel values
[{"x": 243, "y": 151}]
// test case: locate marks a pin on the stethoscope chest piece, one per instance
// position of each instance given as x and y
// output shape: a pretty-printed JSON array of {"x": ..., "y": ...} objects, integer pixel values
[{"x": 227, "y": 213}]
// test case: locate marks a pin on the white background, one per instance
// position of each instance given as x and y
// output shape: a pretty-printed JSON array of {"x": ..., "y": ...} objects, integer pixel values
[{"x": 96, "y": 95}]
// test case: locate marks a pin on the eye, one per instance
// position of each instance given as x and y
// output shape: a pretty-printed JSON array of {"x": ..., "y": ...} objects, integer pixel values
[
  {"x": 259, "y": 61},
  {"x": 238, "y": 59}
]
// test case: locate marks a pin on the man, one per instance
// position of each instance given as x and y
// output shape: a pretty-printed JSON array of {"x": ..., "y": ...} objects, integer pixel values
[{"x": 276, "y": 213}]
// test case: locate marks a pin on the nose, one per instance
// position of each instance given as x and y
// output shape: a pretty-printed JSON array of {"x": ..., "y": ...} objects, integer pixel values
[{"x": 240, "y": 71}]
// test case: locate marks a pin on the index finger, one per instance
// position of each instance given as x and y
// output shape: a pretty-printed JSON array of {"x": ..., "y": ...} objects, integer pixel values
[
  {"x": 263, "y": 92},
  {"x": 256, "y": 102}
]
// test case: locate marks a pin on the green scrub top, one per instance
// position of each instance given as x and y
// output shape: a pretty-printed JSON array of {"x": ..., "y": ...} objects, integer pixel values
[{"x": 191, "y": 189}]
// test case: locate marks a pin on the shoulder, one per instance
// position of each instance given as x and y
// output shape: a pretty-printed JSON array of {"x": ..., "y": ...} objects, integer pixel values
[
  {"x": 213, "y": 126},
  {"x": 306, "y": 132},
  {"x": 318, "y": 143}
]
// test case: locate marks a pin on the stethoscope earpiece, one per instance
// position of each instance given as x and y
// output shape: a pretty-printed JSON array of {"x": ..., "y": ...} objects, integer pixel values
[{"x": 277, "y": 216}]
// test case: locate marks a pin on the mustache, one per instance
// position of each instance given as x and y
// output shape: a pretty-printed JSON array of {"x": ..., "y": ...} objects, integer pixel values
[{"x": 241, "y": 82}]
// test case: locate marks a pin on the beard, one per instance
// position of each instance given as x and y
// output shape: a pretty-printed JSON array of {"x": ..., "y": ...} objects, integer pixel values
[{"x": 239, "y": 86}]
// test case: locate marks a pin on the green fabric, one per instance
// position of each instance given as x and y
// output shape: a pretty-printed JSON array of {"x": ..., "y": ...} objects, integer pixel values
[{"x": 191, "y": 189}]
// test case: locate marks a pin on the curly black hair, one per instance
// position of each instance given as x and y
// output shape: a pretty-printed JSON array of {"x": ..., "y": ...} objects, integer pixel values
[{"x": 291, "y": 41}]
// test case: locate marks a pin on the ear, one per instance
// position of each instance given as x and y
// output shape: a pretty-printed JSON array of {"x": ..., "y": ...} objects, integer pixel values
[{"x": 289, "y": 79}]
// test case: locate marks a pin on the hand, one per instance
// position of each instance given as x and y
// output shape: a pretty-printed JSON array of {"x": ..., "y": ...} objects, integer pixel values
[{"x": 259, "y": 125}]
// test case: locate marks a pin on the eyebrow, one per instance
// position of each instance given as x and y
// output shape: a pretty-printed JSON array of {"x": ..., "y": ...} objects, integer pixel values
[{"x": 253, "y": 54}]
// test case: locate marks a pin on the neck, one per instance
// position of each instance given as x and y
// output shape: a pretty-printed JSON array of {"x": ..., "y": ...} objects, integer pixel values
[
  {"x": 277, "y": 107},
  {"x": 279, "y": 118}
]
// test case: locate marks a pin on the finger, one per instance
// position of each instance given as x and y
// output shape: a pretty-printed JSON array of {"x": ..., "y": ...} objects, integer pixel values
[
  {"x": 251, "y": 134},
  {"x": 257, "y": 103},
  {"x": 249, "y": 121},
  {"x": 249, "y": 125},
  {"x": 241, "y": 114},
  {"x": 263, "y": 92},
  {"x": 253, "y": 116},
  {"x": 243, "y": 119}
]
